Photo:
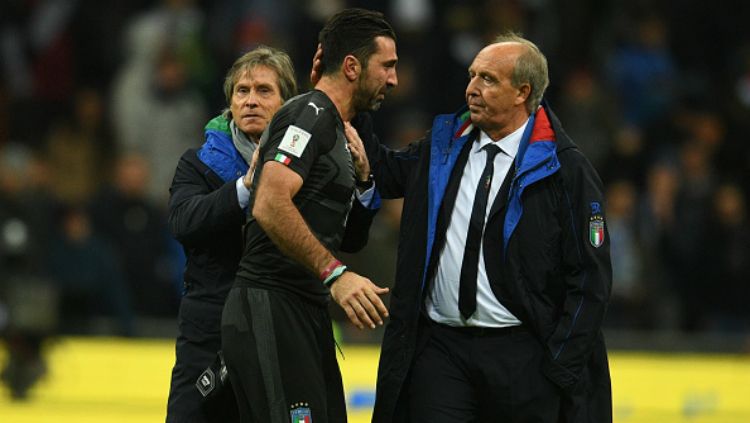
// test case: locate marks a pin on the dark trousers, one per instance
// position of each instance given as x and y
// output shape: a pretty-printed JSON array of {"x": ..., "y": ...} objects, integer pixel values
[
  {"x": 281, "y": 357},
  {"x": 196, "y": 348},
  {"x": 468, "y": 375}
]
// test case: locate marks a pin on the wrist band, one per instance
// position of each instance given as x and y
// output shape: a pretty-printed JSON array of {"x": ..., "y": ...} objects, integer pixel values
[
  {"x": 365, "y": 185},
  {"x": 337, "y": 272},
  {"x": 329, "y": 269}
]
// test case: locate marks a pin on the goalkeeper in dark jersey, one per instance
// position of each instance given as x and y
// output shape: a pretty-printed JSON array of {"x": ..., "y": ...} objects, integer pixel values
[{"x": 276, "y": 331}]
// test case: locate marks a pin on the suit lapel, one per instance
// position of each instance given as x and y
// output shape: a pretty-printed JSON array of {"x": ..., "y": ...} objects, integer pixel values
[
  {"x": 451, "y": 191},
  {"x": 447, "y": 205}
]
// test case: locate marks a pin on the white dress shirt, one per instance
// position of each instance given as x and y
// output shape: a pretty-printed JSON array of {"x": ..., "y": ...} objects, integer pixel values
[{"x": 442, "y": 303}]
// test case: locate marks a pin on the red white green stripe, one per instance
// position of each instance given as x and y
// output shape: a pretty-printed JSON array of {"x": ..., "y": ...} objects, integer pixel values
[{"x": 281, "y": 158}]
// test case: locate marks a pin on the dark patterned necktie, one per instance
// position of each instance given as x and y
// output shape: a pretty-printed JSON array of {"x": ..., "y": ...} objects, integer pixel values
[{"x": 467, "y": 291}]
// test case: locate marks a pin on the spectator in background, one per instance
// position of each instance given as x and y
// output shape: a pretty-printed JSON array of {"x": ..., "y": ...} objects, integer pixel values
[
  {"x": 158, "y": 117},
  {"x": 28, "y": 298},
  {"x": 4, "y": 115},
  {"x": 175, "y": 25},
  {"x": 626, "y": 156},
  {"x": 727, "y": 250},
  {"x": 688, "y": 235},
  {"x": 235, "y": 26},
  {"x": 587, "y": 112},
  {"x": 656, "y": 224},
  {"x": 89, "y": 277},
  {"x": 157, "y": 108},
  {"x": 642, "y": 72},
  {"x": 207, "y": 208},
  {"x": 734, "y": 154},
  {"x": 80, "y": 147},
  {"x": 97, "y": 29},
  {"x": 123, "y": 215},
  {"x": 629, "y": 304},
  {"x": 37, "y": 60}
]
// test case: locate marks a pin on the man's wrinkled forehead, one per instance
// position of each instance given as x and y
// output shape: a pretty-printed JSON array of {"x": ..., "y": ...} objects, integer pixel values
[{"x": 500, "y": 53}]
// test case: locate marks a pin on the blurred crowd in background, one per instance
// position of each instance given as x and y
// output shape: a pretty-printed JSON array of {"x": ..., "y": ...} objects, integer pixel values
[{"x": 98, "y": 99}]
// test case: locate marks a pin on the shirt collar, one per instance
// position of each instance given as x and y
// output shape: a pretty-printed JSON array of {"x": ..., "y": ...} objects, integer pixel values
[{"x": 508, "y": 145}]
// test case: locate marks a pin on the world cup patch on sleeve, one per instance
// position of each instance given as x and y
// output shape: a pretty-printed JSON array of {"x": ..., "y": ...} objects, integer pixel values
[
  {"x": 300, "y": 413},
  {"x": 295, "y": 140},
  {"x": 596, "y": 225}
]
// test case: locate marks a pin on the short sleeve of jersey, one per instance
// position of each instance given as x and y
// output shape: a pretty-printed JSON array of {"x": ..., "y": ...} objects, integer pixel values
[{"x": 299, "y": 133}]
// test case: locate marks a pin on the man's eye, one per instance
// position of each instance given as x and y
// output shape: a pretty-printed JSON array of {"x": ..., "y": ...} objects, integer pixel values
[{"x": 488, "y": 80}]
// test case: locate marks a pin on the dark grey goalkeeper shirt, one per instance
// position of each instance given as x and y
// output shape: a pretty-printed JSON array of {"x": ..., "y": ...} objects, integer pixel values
[{"x": 306, "y": 135}]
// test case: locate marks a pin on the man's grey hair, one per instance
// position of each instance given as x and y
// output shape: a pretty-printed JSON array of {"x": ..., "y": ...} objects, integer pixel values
[
  {"x": 531, "y": 68},
  {"x": 274, "y": 59}
]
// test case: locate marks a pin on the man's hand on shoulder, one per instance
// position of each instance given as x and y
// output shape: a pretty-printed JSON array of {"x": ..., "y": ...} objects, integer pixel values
[
  {"x": 360, "y": 299},
  {"x": 248, "y": 178},
  {"x": 357, "y": 150}
]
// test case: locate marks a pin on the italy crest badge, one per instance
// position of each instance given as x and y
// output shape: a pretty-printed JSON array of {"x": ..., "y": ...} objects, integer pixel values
[
  {"x": 596, "y": 225},
  {"x": 300, "y": 413}
]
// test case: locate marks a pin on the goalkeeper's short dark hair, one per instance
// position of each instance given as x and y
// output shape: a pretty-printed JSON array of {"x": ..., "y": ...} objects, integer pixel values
[{"x": 351, "y": 31}]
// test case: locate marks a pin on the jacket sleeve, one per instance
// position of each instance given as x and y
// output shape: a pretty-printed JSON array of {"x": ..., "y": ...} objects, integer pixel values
[
  {"x": 357, "y": 231},
  {"x": 391, "y": 168},
  {"x": 587, "y": 272},
  {"x": 195, "y": 211}
]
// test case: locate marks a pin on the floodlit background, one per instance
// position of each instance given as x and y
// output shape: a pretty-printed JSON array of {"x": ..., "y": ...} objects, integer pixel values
[{"x": 98, "y": 99}]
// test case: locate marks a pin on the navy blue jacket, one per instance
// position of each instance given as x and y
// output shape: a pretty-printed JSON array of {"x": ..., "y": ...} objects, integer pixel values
[{"x": 556, "y": 270}]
